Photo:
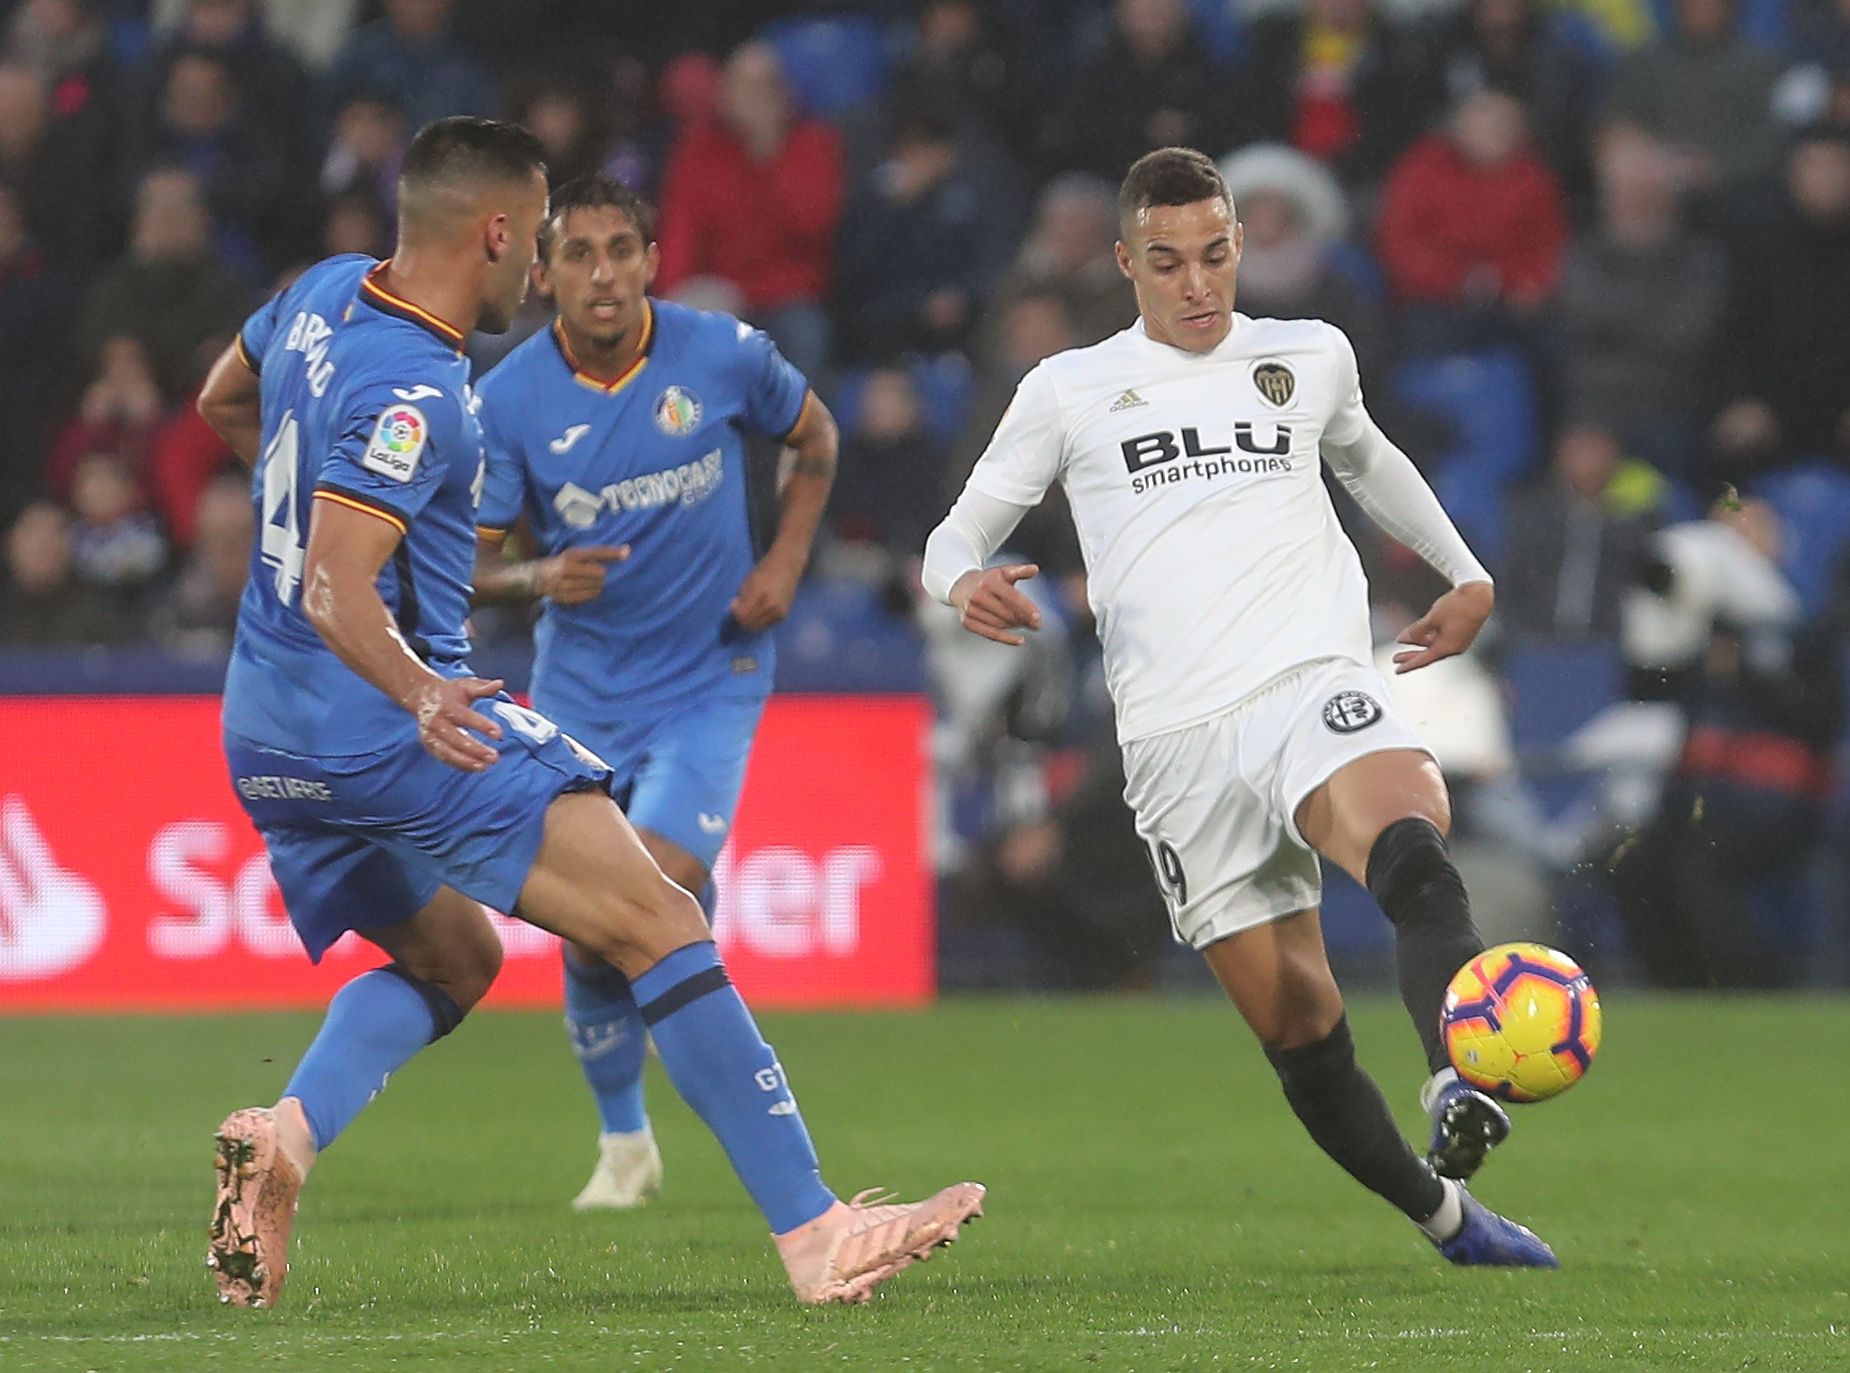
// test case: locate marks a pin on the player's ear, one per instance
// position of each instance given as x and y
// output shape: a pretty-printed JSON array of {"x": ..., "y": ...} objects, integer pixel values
[
  {"x": 1239, "y": 241},
  {"x": 651, "y": 264},
  {"x": 497, "y": 235},
  {"x": 1124, "y": 258}
]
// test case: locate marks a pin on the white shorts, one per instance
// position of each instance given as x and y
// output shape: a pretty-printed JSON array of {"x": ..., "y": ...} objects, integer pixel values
[{"x": 1216, "y": 802}]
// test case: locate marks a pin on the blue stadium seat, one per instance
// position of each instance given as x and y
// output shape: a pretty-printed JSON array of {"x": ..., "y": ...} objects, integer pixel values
[
  {"x": 835, "y": 63},
  {"x": 840, "y": 637},
  {"x": 1488, "y": 400},
  {"x": 944, "y": 385},
  {"x": 1765, "y": 23},
  {"x": 1220, "y": 28},
  {"x": 1556, "y": 686},
  {"x": 1813, "y": 503}
]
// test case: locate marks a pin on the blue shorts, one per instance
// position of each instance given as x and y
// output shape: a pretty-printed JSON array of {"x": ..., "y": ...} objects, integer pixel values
[
  {"x": 361, "y": 842},
  {"x": 679, "y": 769}
]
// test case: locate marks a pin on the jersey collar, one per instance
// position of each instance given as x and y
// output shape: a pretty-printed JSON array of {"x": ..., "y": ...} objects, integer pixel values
[
  {"x": 609, "y": 388},
  {"x": 384, "y": 301}
]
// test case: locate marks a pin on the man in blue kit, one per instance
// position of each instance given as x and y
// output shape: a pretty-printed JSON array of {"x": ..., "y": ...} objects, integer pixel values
[
  {"x": 619, "y": 434},
  {"x": 394, "y": 790}
]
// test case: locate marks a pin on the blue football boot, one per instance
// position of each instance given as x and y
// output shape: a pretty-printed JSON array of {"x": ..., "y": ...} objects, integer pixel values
[
  {"x": 1466, "y": 1125},
  {"x": 1488, "y": 1239}
]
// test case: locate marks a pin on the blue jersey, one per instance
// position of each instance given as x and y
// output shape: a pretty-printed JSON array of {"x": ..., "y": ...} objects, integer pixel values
[
  {"x": 366, "y": 403},
  {"x": 655, "y": 460}
]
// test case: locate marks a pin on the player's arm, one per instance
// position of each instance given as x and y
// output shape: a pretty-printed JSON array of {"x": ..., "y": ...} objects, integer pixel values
[
  {"x": 813, "y": 447},
  {"x": 347, "y": 548},
  {"x": 1022, "y": 460},
  {"x": 1390, "y": 489},
  {"x": 574, "y": 576},
  {"x": 955, "y": 571},
  {"x": 229, "y": 402}
]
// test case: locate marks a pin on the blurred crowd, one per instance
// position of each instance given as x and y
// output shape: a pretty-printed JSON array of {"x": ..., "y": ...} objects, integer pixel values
[{"x": 1594, "y": 256}]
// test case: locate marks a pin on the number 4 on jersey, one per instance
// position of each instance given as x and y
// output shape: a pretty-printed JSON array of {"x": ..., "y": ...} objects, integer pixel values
[{"x": 281, "y": 538}]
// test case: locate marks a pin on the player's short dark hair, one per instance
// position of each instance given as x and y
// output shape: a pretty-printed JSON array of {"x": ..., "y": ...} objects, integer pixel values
[
  {"x": 462, "y": 151},
  {"x": 1170, "y": 176},
  {"x": 596, "y": 191}
]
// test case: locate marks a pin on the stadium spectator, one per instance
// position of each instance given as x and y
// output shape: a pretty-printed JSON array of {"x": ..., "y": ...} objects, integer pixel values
[
  {"x": 1706, "y": 93},
  {"x": 890, "y": 483},
  {"x": 1069, "y": 252},
  {"x": 1147, "y": 84},
  {"x": 67, "y": 43},
  {"x": 33, "y": 301},
  {"x": 1641, "y": 297},
  {"x": 1701, "y": 573},
  {"x": 198, "y": 612},
  {"x": 117, "y": 414},
  {"x": 1575, "y": 544},
  {"x": 1472, "y": 228},
  {"x": 46, "y": 163},
  {"x": 312, "y": 33},
  {"x": 958, "y": 60},
  {"x": 561, "y": 109},
  {"x": 1076, "y": 880},
  {"x": 199, "y": 122},
  {"x": 369, "y": 138},
  {"x": 1743, "y": 808},
  {"x": 1785, "y": 362},
  {"x": 1296, "y": 219},
  {"x": 273, "y": 89},
  {"x": 41, "y": 602},
  {"x": 1335, "y": 79},
  {"x": 168, "y": 293},
  {"x": 755, "y": 199},
  {"x": 185, "y": 454},
  {"x": 919, "y": 248},
  {"x": 1522, "y": 48},
  {"x": 354, "y": 223},
  {"x": 115, "y": 542},
  {"x": 409, "y": 57}
]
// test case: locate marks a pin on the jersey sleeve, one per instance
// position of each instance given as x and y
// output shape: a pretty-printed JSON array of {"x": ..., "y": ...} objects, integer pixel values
[
  {"x": 504, "y": 478},
  {"x": 1348, "y": 416},
  {"x": 391, "y": 454},
  {"x": 253, "y": 340},
  {"x": 1026, "y": 454},
  {"x": 776, "y": 394}
]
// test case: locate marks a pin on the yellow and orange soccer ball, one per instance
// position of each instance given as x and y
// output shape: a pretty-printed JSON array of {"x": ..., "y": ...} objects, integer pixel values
[{"x": 1521, "y": 1022}]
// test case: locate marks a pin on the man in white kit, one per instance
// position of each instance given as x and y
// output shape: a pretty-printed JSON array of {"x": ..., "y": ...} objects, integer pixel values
[{"x": 1234, "y": 618}]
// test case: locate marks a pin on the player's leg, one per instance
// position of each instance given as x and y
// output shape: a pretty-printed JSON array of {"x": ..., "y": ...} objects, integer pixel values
[
  {"x": 1278, "y": 977},
  {"x": 592, "y": 882},
  {"x": 610, "y": 1042},
  {"x": 683, "y": 774},
  {"x": 444, "y": 955},
  {"x": 1362, "y": 792}
]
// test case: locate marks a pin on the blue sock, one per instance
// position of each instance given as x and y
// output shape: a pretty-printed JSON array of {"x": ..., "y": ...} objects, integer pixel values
[
  {"x": 373, "y": 1027},
  {"x": 607, "y": 1034},
  {"x": 722, "y": 1067}
]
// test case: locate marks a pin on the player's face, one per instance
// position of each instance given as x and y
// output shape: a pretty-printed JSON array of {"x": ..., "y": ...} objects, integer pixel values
[
  {"x": 599, "y": 269},
  {"x": 510, "y": 274},
  {"x": 1182, "y": 260}
]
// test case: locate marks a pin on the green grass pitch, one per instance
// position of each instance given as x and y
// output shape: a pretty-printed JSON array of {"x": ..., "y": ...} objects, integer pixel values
[{"x": 1152, "y": 1204}]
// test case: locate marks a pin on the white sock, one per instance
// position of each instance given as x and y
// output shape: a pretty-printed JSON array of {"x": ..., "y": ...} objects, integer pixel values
[
  {"x": 1449, "y": 1219},
  {"x": 1435, "y": 1084}
]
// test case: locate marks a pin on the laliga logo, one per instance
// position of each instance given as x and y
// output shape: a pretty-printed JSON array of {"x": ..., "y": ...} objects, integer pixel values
[{"x": 51, "y": 919}]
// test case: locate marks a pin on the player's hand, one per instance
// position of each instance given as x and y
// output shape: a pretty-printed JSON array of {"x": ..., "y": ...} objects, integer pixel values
[
  {"x": 1448, "y": 628},
  {"x": 767, "y": 593},
  {"x": 577, "y": 574},
  {"x": 443, "y": 708},
  {"x": 991, "y": 605}
]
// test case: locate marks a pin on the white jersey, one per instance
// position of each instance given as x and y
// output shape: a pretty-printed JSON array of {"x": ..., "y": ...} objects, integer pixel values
[{"x": 1214, "y": 556}]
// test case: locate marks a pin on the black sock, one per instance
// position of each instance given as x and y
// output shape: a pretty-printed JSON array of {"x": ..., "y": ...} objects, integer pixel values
[
  {"x": 1349, "y": 1118},
  {"x": 1412, "y": 876}
]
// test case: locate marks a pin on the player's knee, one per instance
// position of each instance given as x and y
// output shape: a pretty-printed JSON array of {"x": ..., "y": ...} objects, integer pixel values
[
  {"x": 1313, "y": 1067},
  {"x": 638, "y": 927}
]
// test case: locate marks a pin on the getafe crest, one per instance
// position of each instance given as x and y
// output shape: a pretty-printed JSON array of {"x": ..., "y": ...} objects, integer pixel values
[
  {"x": 677, "y": 412},
  {"x": 1275, "y": 382}
]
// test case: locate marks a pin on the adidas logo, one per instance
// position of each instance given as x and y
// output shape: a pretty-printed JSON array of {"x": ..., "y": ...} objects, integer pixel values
[{"x": 1130, "y": 400}]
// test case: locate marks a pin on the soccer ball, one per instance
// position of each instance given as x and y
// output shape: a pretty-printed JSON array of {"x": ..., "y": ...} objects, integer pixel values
[{"x": 1521, "y": 1022}]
